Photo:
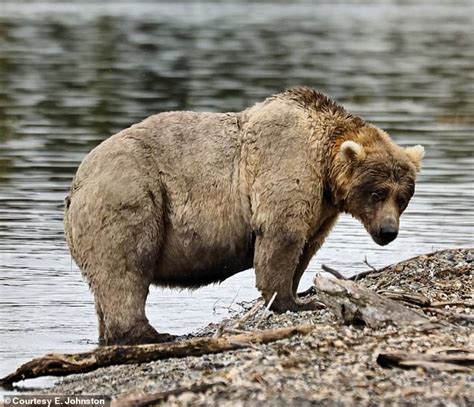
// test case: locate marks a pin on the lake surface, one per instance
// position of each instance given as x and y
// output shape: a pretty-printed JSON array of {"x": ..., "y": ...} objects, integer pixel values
[{"x": 71, "y": 74}]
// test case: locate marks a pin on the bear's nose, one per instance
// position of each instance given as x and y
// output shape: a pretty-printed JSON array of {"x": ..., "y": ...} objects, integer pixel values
[{"x": 388, "y": 233}]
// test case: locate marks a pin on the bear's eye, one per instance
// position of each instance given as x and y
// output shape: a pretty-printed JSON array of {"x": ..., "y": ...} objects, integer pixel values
[
  {"x": 377, "y": 196},
  {"x": 402, "y": 203}
]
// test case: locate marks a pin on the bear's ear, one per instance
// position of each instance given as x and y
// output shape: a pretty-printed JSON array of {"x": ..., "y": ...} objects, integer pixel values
[
  {"x": 415, "y": 154},
  {"x": 352, "y": 151}
]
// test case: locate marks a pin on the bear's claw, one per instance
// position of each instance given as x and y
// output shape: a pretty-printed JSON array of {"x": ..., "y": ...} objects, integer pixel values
[{"x": 297, "y": 306}]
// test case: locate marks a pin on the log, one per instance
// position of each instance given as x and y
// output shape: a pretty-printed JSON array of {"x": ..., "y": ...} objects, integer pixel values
[
  {"x": 356, "y": 304},
  {"x": 57, "y": 364},
  {"x": 459, "y": 362}
]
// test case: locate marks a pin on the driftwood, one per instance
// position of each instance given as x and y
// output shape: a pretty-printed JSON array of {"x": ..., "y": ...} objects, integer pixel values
[
  {"x": 334, "y": 272},
  {"x": 236, "y": 327},
  {"x": 356, "y": 304},
  {"x": 355, "y": 277},
  {"x": 461, "y": 361},
  {"x": 418, "y": 300},
  {"x": 265, "y": 311},
  {"x": 151, "y": 399},
  {"x": 56, "y": 364},
  {"x": 307, "y": 293},
  {"x": 249, "y": 314}
]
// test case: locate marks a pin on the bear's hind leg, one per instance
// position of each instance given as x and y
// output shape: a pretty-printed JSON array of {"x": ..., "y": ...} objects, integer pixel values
[
  {"x": 123, "y": 314},
  {"x": 115, "y": 233},
  {"x": 123, "y": 263}
]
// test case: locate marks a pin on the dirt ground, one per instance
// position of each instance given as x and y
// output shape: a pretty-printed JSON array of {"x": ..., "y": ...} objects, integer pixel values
[{"x": 335, "y": 364}]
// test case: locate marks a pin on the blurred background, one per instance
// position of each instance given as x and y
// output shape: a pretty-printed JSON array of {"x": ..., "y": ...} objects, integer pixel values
[{"x": 72, "y": 73}]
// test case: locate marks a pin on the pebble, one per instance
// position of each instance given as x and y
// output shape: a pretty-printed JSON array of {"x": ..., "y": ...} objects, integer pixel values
[{"x": 334, "y": 365}]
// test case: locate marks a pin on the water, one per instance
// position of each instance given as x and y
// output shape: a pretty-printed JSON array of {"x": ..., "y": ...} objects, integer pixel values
[{"x": 71, "y": 74}]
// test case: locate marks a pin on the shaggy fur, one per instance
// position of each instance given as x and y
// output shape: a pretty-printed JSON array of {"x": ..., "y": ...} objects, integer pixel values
[{"x": 185, "y": 199}]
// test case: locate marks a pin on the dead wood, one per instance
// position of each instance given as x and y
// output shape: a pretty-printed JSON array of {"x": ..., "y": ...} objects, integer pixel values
[
  {"x": 332, "y": 271},
  {"x": 363, "y": 274},
  {"x": 410, "y": 298},
  {"x": 356, "y": 304},
  {"x": 370, "y": 265},
  {"x": 249, "y": 314},
  {"x": 151, "y": 399},
  {"x": 339, "y": 275},
  {"x": 224, "y": 328},
  {"x": 56, "y": 364},
  {"x": 440, "y": 366},
  {"x": 462, "y": 361},
  {"x": 311, "y": 291},
  {"x": 448, "y": 350},
  {"x": 265, "y": 311}
]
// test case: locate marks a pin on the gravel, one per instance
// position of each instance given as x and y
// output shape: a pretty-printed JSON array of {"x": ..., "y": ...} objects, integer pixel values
[{"x": 334, "y": 365}]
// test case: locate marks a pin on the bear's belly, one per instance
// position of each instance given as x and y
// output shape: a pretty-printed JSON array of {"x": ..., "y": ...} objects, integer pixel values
[{"x": 197, "y": 261}]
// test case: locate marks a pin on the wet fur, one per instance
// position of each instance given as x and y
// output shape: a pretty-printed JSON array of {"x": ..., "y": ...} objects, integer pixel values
[{"x": 185, "y": 199}]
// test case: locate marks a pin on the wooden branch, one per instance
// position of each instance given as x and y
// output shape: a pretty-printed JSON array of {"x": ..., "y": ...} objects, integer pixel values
[
  {"x": 307, "y": 293},
  {"x": 154, "y": 398},
  {"x": 332, "y": 271},
  {"x": 265, "y": 311},
  {"x": 410, "y": 298},
  {"x": 355, "y": 277},
  {"x": 370, "y": 265},
  {"x": 249, "y": 314},
  {"x": 363, "y": 274},
  {"x": 462, "y": 362},
  {"x": 56, "y": 364},
  {"x": 357, "y": 304},
  {"x": 449, "y": 350}
]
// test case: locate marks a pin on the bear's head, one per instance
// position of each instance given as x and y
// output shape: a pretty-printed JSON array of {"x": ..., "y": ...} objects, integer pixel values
[{"x": 375, "y": 180}]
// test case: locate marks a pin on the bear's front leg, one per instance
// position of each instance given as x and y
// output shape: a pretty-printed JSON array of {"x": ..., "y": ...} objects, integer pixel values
[{"x": 277, "y": 255}]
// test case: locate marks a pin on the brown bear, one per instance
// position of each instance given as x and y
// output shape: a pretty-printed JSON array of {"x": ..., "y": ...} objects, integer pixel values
[{"x": 185, "y": 199}]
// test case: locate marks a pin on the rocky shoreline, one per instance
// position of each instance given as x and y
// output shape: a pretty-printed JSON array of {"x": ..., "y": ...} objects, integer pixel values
[{"x": 335, "y": 364}]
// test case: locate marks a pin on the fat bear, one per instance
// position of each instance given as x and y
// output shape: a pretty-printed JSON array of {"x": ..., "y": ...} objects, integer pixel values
[{"x": 185, "y": 199}]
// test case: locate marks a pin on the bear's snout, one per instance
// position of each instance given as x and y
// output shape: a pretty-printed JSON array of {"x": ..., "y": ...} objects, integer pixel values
[{"x": 387, "y": 233}]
